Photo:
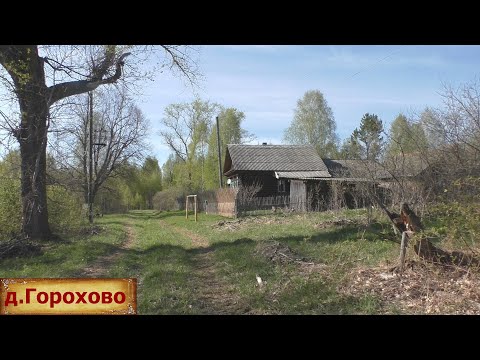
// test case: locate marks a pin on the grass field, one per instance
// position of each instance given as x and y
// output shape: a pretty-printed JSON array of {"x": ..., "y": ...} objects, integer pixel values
[{"x": 305, "y": 262}]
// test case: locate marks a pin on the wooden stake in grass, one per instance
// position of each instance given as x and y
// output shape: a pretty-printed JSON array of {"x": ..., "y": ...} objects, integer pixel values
[
  {"x": 403, "y": 249},
  {"x": 194, "y": 206}
]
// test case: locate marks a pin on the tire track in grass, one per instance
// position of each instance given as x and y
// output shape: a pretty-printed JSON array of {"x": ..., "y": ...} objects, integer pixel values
[
  {"x": 101, "y": 266},
  {"x": 211, "y": 294}
]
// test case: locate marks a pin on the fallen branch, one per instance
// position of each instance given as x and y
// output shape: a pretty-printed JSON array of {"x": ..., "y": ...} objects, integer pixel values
[{"x": 408, "y": 223}]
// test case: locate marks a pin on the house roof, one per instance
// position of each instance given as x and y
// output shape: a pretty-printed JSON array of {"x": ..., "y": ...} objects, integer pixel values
[
  {"x": 301, "y": 174},
  {"x": 356, "y": 169},
  {"x": 283, "y": 158}
]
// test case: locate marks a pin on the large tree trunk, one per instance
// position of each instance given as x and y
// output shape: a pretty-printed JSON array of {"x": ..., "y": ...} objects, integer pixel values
[
  {"x": 33, "y": 183},
  {"x": 32, "y": 136},
  {"x": 26, "y": 69}
]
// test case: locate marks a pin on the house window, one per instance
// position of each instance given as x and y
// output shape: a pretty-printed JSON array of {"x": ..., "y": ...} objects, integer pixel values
[
  {"x": 234, "y": 182},
  {"x": 281, "y": 185}
]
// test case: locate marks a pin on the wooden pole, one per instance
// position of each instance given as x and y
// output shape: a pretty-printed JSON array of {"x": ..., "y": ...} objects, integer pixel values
[
  {"x": 403, "y": 249},
  {"x": 186, "y": 207},
  {"x": 219, "y": 156},
  {"x": 90, "y": 159},
  {"x": 195, "y": 199}
]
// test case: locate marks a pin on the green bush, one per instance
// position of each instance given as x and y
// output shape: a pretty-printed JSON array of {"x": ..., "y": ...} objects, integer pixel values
[
  {"x": 10, "y": 208},
  {"x": 64, "y": 210},
  {"x": 457, "y": 223},
  {"x": 170, "y": 199}
]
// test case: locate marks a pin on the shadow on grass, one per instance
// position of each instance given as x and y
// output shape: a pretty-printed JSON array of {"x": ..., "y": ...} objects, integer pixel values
[
  {"x": 168, "y": 268},
  {"x": 144, "y": 214},
  {"x": 328, "y": 236},
  {"x": 156, "y": 214},
  {"x": 372, "y": 232},
  {"x": 110, "y": 222},
  {"x": 94, "y": 250},
  {"x": 167, "y": 287}
]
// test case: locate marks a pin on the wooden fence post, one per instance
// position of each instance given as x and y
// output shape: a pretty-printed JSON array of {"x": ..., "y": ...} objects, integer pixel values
[
  {"x": 403, "y": 249},
  {"x": 194, "y": 206},
  {"x": 195, "y": 199}
]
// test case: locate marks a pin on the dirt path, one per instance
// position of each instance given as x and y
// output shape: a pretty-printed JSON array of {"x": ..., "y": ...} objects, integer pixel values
[
  {"x": 100, "y": 267},
  {"x": 198, "y": 241},
  {"x": 211, "y": 293}
]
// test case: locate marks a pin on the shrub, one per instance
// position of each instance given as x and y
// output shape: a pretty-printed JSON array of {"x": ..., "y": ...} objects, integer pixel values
[
  {"x": 64, "y": 210},
  {"x": 10, "y": 208},
  {"x": 170, "y": 199}
]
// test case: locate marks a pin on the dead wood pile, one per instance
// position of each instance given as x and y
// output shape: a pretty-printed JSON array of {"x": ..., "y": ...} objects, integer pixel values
[
  {"x": 16, "y": 247},
  {"x": 280, "y": 253}
]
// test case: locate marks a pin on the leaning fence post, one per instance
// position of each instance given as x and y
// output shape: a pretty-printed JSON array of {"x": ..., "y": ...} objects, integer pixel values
[{"x": 403, "y": 249}]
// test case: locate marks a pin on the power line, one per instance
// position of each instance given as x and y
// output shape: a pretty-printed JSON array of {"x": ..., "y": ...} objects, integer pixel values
[{"x": 375, "y": 64}]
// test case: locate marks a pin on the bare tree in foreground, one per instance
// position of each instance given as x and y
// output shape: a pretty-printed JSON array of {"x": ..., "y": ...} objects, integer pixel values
[
  {"x": 120, "y": 131},
  {"x": 41, "y": 77}
]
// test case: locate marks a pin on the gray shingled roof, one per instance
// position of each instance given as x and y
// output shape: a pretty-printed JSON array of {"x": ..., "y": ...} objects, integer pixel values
[
  {"x": 301, "y": 174},
  {"x": 275, "y": 158},
  {"x": 356, "y": 169}
]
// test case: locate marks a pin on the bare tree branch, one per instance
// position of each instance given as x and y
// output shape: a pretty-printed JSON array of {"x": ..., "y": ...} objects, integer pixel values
[{"x": 66, "y": 89}]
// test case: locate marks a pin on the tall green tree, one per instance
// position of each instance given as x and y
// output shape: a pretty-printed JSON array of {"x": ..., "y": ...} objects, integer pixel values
[
  {"x": 314, "y": 124},
  {"x": 150, "y": 180},
  {"x": 168, "y": 170},
  {"x": 41, "y": 77},
  {"x": 350, "y": 149},
  {"x": 369, "y": 137},
  {"x": 405, "y": 137},
  {"x": 231, "y": 132},
  {"x": 186, "y": 127}
]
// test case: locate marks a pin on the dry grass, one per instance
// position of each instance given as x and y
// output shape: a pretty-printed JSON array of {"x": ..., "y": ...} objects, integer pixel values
[{"x": 422, "y": 289}]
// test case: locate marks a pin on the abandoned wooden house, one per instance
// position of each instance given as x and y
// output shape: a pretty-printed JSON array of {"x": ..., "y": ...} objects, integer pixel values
[
  {"x": 405, "y": 177},
  {"x": 282, "y": 175},
  {"x": 414, "y": 178},
  {"x": 352, "y": 182},
  {"x": 294, "y": 176}
]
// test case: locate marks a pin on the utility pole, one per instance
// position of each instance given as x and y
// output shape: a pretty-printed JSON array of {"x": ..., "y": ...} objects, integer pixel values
[
  {"x": 90, "y": 158},
  {"x": 219, "y": 156}
]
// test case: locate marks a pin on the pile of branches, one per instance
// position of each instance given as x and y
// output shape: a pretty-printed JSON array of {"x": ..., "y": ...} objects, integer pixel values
[
  {"x": 228, "y": 225},
  {"x": 237, "y": 223},
  {"x": 280, "y": 253},
  {"x": 18, "y": 247}
]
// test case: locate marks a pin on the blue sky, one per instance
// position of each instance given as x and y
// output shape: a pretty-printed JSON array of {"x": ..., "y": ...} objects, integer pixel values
[{"x": 265, "y": 83}]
